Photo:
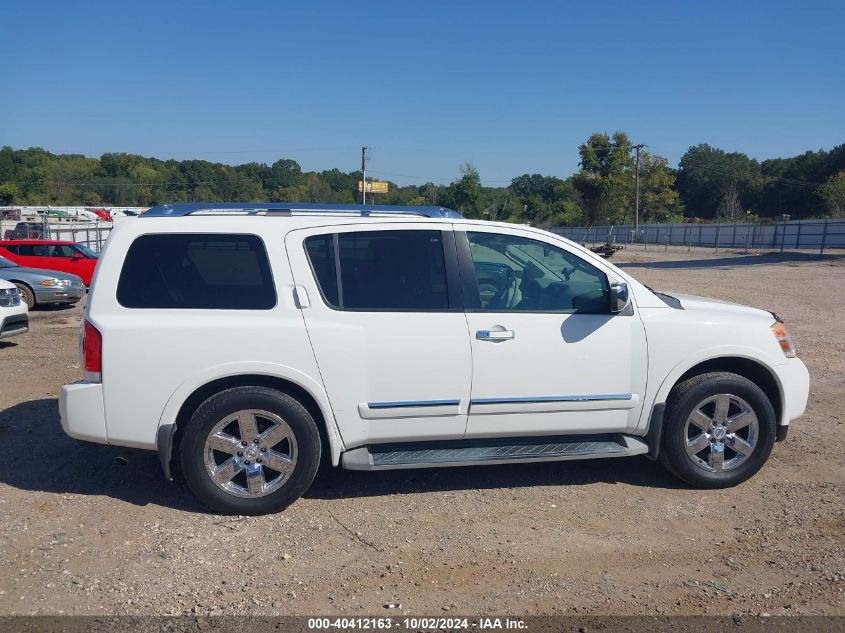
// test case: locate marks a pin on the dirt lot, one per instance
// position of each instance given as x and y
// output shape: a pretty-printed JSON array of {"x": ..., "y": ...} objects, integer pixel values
[{"x": 82, "y": 534}]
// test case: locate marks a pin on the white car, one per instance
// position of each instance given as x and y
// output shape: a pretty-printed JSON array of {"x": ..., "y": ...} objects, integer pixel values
[
  {"x": 14, "y": 315},
  {"x": 252, "y": 341}
]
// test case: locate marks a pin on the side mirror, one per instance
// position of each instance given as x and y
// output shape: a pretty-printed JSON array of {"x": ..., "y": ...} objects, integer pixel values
[
  {"x": 619, "y": 299},
  {"x": 77, "y": 255}
]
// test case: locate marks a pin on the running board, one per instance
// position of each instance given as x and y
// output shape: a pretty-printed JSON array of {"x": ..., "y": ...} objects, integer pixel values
[{"x": 506, "y": 450}]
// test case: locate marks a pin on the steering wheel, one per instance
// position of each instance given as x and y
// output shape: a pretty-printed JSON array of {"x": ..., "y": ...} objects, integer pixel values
[{"x": 493, "y": 294}]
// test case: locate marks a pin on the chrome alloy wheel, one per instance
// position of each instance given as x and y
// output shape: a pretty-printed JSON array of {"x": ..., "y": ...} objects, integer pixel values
[
  {"x": 250, "y": 453},
  {"x": 721, "y": 432}
]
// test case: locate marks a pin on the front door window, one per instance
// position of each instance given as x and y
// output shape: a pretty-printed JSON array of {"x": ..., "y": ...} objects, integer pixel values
[{"x": 518, "y": 274}]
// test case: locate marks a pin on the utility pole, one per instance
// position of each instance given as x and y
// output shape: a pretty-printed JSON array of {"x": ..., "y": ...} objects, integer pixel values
[
  {"x": 637, "y": 201},
  {"x": 364, "y": 175}
]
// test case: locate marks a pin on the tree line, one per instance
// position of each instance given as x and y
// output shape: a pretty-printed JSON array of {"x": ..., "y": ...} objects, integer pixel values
[{"x": 708, "y": 184}]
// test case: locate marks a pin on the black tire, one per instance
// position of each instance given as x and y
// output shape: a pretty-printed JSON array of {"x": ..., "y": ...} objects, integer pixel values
[
  {"x": 27, "y": 295},
  {"x": 682, "y": 401},
  {"x": 226, "y": 403}
]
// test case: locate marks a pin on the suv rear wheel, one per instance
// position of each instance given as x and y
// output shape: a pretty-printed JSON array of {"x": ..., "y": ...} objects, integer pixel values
[
  {"x": 720, "y": 430},
  {"x": 250, "y": 450}
]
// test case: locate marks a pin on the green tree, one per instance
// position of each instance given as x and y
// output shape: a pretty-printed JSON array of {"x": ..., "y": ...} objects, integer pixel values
[
  {"x": 467, "y": 191},
  {"x": 605, "y": 180},
  {"x": 710, "y": 182},
  {"x": 9, "y": 193},
  {"x": 659, "y": 202},
  {"x": 714, "y": 183},
  {"x": 789, "y": 183},
  {"x": 285, "y": 173},
  {"x": 546, "y": 200},
  {"x": 833, "y": 194}
]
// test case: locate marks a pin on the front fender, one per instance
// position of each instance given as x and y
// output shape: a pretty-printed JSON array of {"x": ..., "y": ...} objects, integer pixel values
[{"x": 671, "y": 378}]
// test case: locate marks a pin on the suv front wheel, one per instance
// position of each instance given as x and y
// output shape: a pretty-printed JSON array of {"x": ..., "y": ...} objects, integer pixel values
[
  {"x": 250, "y": 450},
  {"x": 720, "y": 430}
]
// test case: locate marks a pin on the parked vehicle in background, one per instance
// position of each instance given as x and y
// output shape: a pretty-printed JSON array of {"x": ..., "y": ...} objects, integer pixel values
[
  {"x": 14, "y": 316},
  {"x": 68, "y": 257},
  {"x": 41, "y": 287},
  {"x": 123, "y": 213},
  {"x": 102, "y": 214},
  {"x": 25, "y": 231},
  {"x": 273, "y": 336}
]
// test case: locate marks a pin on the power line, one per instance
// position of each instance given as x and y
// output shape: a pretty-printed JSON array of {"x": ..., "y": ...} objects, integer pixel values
[
  {"x": 113, "y": 184},
  {"x": 247, "y": 151},
  {"x": 727, "y": 171},
  {"x": 434, "y": 179}
]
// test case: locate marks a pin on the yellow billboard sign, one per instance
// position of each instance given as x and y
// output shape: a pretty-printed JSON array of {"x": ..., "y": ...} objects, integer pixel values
[{"x": 373, "y": 186}]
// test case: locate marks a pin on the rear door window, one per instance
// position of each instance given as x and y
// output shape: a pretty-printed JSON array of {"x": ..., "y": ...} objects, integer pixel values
[
  {"x": 395, "y": 270},
  {"x": 320, "y": 250},
  {"x": 33, "y": 250},
  {"x": 197, "y": 271}
]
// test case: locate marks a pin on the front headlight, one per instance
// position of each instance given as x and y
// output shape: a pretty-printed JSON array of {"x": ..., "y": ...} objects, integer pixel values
[
  {"x": 783, "y": 339},
  {"x": 10, "y": 297},
  {"x": 55, "y": 283}
]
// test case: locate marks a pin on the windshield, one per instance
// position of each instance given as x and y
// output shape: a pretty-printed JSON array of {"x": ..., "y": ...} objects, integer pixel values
[
  {"x": 86, "y": 251},
  {"x": 5, "y": 263}
]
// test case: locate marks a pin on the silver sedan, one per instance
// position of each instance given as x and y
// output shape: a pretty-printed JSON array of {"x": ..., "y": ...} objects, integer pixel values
[{"x": 39, "y": 286}]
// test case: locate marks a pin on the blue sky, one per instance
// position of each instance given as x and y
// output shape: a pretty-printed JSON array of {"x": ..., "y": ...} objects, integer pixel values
[{"x": 513, "y": 87}]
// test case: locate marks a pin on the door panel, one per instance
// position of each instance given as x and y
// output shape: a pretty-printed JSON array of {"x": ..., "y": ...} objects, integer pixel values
[
  {"x": 32, "y": 255},
  {"x": 548, "y": 357},
  {"x": 388, "y": 333},
  {"x": 60, "y": 257}
]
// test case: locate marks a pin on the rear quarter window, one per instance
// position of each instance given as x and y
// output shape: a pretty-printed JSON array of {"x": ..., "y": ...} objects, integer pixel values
[{"x": 197, "y": 271}]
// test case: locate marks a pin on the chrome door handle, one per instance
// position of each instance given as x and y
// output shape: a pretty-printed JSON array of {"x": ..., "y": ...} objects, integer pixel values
[
  {"x": 494, "y": 335},
  {"x": 300, "y": 297}
]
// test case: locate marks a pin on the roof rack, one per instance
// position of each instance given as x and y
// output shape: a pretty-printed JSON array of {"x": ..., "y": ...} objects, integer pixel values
[{"x": 293, "y": 208}]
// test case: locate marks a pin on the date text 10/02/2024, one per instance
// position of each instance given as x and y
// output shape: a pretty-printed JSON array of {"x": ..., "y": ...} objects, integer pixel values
[{"x": 417, "y": 623}]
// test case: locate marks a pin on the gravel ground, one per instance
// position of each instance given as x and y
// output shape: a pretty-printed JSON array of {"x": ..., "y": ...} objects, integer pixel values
[{"x": 82, "y": 534}]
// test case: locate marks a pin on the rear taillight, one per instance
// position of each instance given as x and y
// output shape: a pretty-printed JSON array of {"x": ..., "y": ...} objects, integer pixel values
[{"x": 92, "y": 352}]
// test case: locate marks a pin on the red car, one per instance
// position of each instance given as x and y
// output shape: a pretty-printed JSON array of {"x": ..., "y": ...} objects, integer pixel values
[{"x": 67, "y": 257}]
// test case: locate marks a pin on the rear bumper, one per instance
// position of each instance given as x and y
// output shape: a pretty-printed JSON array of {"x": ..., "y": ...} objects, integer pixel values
[
  {"x": 82, "y": 412},
  {"x": 14, "y": 324}
]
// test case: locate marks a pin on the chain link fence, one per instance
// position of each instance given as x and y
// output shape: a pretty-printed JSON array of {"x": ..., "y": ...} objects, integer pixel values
[{"x": 818, "y": 235}]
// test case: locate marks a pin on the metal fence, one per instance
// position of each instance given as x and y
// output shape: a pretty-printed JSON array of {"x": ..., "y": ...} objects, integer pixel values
[
  {"x": 92, "y": 234},
  {"x": 798, "y": 234}
]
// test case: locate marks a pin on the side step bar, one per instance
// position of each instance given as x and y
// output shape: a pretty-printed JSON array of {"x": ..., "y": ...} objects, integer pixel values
[{"x": 492, "y": 451}]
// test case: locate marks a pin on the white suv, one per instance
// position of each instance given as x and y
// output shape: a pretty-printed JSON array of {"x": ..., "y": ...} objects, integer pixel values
[
  {"x": 250, "y": 341},
  {"x": 14, "y": 315}
]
